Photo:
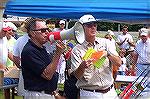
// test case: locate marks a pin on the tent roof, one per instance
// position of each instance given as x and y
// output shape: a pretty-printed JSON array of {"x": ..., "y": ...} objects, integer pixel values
[{"x": 128, "y": 11}]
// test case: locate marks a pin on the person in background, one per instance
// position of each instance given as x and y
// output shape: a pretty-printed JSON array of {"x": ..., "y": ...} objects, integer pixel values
[
  {"x": 109, "y": 36},
  {"x": 22, "y": 30},
  {"x": 112, "y": 34},
  {"x": 67, "y": 54},
  {"x": 61, "y": 26},
  {"x": 125, "y": 40},
  {"x": 13, "y": 27},
  {"x": 70, "y": 89},
  {"x": 17, "y": 49},
  {"x": 4, "y": 54},
  {"x": 3, "y": 48},
  {"x": 130, "y": 63},
  {"x": 50, "y": 24},
  {"x": 11, "y": 41},
  {"x": 93, "y": 82},
  {"x": 39, "y": 67},
  {"x": 123, "y": 68},
  {"x": 141, "y": 57},
  {"x": 62, "y": 62}
]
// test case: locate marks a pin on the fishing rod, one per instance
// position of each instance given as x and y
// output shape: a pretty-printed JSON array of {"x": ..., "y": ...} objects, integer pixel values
[{"x": 134, "y": 82}]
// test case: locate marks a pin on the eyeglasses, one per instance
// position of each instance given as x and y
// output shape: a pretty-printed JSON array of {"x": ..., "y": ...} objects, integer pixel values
[
  {"x": 91, "y": 24},
  {"x": 43, "y": 30}
]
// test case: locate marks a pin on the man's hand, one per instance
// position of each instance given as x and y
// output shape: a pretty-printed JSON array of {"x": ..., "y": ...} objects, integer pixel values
[
  {"x": 86, "y": 63},
  {"x": 60, "y": 47}
]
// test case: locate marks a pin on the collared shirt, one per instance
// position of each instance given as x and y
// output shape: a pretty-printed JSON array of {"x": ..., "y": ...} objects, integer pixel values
[
  {"x": 33, "y": 61},
  {"x": 93, "y": 78},
  {"x": 143, "y": 51}
]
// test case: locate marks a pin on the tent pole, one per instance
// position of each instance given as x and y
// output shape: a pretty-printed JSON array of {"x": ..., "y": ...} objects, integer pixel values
[{"x": 118, "y": 28}]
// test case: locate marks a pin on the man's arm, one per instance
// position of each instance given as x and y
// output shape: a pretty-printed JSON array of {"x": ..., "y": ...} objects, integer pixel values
[
  {"x": 10, "y": 56},
  {"x": 135, "y": 57},
  {"x": 17, "y": 61},
  {"x": 116, "y": 60},
  {"x": 51, "y": 68},
  {"x": 120, "y": 43},
  {"x": 131, "y": 43}
]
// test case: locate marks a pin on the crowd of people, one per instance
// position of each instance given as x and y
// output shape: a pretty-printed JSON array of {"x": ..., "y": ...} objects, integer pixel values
[{"x": 58, "y": 71}]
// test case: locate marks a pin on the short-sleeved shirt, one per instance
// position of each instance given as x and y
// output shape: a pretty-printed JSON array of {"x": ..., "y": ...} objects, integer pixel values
[
  {"x": 143, "y": 51},
  {"x": 122, "y": 37},
  {"x": 19, "y": 45},
  {"x": 93, "y": 78},
  {"x": 33, "y": 61},
  {"x": 3, "y": 50}
]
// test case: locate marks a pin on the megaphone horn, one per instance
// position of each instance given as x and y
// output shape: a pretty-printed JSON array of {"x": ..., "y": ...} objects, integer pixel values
[{"x": 75, "y": 33}]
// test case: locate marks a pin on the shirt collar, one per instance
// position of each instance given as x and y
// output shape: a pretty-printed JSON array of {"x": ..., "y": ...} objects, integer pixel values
[{"x": 88, "y": 44}]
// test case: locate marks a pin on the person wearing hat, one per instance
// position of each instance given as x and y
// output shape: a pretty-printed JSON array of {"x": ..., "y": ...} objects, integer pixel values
[
  {"x": 3, "y": 48},
  {"x": 4, "y": 53},
  {"x": 110, "y": 35},
  {"x": 61, "y": 26},
  {"x": 10, "y": 43},
  {"x": 62, "y": 63},
  {"x": 142, "y": 58},
  {"x": 13, "y": 29},
  {"x": 93, "y": 82}
]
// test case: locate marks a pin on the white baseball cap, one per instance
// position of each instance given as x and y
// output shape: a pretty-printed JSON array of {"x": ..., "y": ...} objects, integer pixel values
[
  {"x": 110, "y": 32},
  {"x": 87, "y": 19},
  {"x": 61, "y": 22},
  {"x": 143, "y": 31},
  {"x": 10, "y": 24}
]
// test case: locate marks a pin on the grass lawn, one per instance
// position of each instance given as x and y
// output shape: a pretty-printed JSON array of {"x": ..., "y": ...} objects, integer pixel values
[{"x": 2, "y": 95}]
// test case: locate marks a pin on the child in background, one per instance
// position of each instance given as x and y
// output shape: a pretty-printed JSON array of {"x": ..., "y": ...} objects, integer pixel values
[{"x": 123, "y": 67}]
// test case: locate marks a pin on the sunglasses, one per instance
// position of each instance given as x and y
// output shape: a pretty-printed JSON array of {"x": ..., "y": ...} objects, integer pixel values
[
  {"x": 61, "y": 24},
  {"x": 90, "y": 24},
  {"x": 43, "y": 30}
]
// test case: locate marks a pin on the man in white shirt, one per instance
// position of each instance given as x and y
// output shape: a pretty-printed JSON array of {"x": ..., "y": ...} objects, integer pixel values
[
  {"x": 3, "y": 48},
  {"x": 125, "y": 40},
  {"x": 142, "y": 58},
  {"x": 17, "y": 49}
]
